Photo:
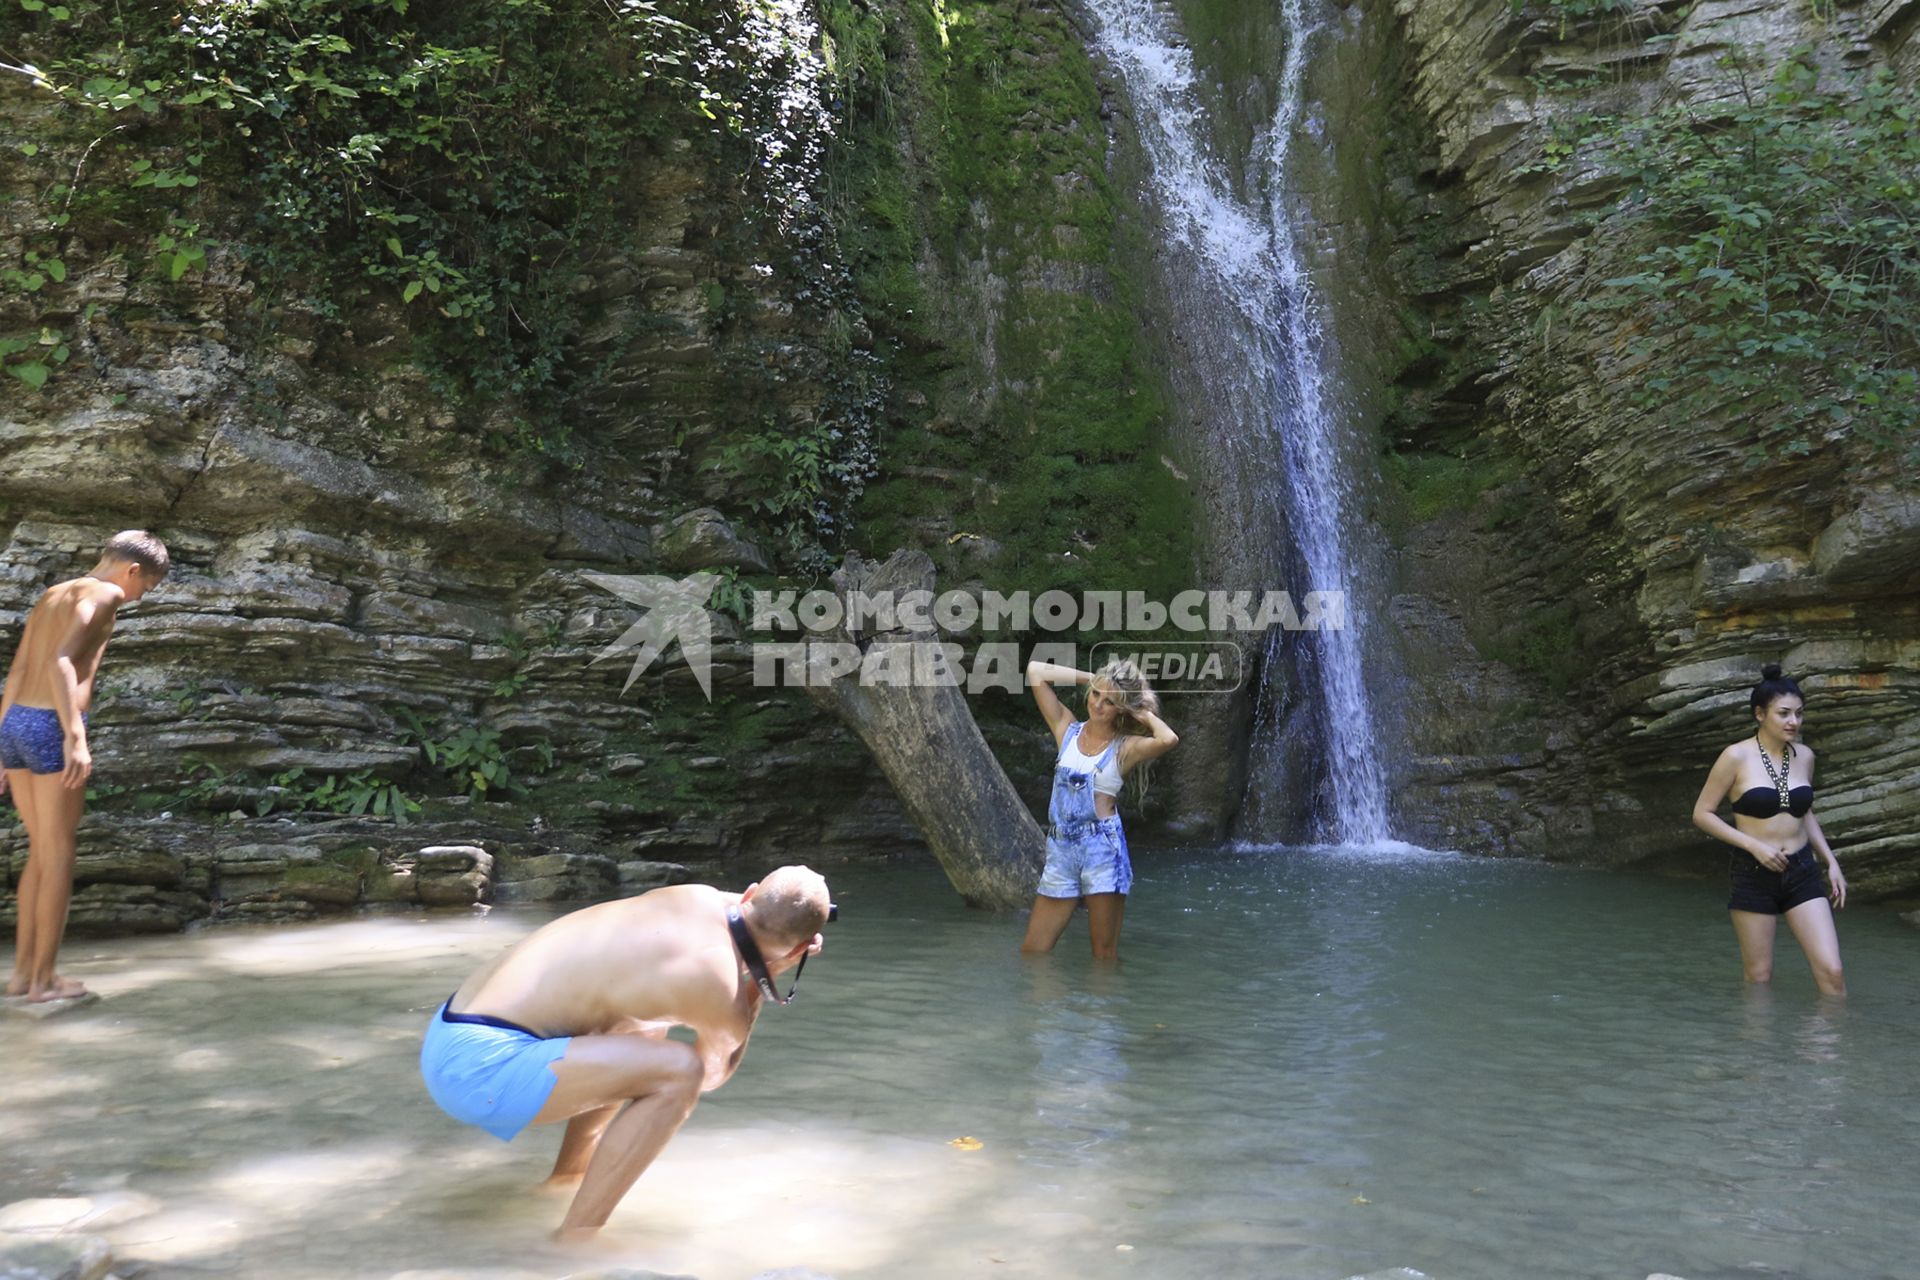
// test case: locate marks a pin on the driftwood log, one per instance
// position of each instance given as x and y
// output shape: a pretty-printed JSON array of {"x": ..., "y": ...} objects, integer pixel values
[{"x": 924, "y": 738}]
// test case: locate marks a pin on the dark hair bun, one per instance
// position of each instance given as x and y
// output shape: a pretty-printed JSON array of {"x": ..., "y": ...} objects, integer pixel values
[{"x": 1772, "y": 685}]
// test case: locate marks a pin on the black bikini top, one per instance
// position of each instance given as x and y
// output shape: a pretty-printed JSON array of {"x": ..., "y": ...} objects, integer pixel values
[{"x": 1764, "y": 802}]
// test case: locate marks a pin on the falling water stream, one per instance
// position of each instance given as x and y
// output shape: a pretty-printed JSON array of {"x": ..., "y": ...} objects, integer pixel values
[{"x": 1240, "y": 287}]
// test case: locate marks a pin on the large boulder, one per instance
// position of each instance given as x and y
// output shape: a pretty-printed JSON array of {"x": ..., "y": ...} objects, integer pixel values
[
  {"x": 703, "y": 539},
  {"x": 457, "y": 875},
  {"x": 556, "y": 877}
]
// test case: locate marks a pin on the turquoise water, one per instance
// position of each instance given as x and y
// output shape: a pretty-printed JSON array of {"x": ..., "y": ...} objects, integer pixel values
[{"x": 1310, "y": 1064}]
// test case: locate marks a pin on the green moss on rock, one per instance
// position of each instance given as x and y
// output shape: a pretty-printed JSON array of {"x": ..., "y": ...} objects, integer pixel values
[{"x": 976, "y": 211}]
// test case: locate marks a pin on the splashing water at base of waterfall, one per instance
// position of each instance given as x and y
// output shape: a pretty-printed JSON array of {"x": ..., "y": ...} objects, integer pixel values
[{"x": 1241, "y": 287}]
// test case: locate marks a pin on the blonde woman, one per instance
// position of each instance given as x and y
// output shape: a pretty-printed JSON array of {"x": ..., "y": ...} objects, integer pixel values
[{"x": 1086, "y": 847}]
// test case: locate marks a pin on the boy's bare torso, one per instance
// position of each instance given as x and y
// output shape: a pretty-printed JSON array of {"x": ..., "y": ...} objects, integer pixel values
[{"x": 48, "y": 625}]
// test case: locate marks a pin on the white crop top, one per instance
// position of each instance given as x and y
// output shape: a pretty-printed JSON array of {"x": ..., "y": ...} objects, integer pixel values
[{"x": 1106, "y": 780}]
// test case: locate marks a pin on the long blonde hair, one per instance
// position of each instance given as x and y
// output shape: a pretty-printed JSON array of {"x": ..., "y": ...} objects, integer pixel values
[{"x": 1134, "y": 694}]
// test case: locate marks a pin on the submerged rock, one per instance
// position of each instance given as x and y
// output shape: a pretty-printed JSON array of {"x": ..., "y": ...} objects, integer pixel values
[
  {"x": 54, "y": 1216},
  {"x": 21, "y": 1007},
  {"x": 62, "y": 1258}
]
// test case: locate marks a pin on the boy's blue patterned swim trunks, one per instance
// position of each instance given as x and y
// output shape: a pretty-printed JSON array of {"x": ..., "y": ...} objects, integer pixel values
[{"x": 31, "y": 738}]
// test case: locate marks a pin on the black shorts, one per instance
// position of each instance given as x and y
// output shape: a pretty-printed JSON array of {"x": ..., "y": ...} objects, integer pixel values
[{"x": 1774, "y": 893}]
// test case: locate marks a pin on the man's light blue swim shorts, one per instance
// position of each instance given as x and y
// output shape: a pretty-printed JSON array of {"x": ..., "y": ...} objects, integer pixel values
[{"x": 488, "y": 1071}]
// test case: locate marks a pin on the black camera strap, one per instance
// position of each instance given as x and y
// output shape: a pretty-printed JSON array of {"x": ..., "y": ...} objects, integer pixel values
[{"x": 757, "y": 963}]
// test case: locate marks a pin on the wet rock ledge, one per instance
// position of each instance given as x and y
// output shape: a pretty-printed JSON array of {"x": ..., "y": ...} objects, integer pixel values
[{"x": 161, "y": 875}]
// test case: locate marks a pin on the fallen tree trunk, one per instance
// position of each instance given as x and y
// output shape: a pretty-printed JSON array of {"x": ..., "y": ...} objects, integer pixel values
[{"x": 924, "y": 738}]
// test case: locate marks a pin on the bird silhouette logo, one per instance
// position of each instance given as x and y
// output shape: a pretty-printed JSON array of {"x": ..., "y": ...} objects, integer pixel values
[{"x": 673, "y": 610}]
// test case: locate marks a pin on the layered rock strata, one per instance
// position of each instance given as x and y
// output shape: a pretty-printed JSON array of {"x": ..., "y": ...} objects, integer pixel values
[{"x": 1580, "y": 633}]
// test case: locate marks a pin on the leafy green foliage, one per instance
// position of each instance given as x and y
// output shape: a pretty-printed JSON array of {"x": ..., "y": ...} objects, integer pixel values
[
  {"x": 202, "y": 784},
  {"x": 463, "y": 162},
  {"x": 1783, "y": 275},
  {"x": 788, "y": 471},
  {"x": 800, "y": 473},
  {"x": 32, "y": 360},
  {"x": 520, "y": 647},
  {"x": 1543, "y": 641},
  {"x": 473, "y": 759},
  {"x": 356, "y": 794},
  {"x": 470, "y": 757},
  {"x": 732, "y": 596},
  {"x": 1436, "y": 483},
  {"x": 469, "y": 760}
]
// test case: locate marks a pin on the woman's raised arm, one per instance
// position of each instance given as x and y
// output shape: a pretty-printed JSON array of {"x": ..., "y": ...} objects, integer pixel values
[{"x": 1041, "y": 677}]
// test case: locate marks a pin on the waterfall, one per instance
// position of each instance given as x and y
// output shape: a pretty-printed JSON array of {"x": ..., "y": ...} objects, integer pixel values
[{"x": 1256, "y": 328}]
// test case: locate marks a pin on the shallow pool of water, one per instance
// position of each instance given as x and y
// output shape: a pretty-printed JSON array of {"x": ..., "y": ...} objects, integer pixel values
[{"x": 1311, "y": 1064}]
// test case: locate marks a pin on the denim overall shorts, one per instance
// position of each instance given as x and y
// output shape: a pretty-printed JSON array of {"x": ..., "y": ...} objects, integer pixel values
[{"x": 1085, "y": 854}]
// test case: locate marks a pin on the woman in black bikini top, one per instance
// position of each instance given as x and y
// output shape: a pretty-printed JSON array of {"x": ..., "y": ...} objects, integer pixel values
[{"x": 1769, "y": 778}]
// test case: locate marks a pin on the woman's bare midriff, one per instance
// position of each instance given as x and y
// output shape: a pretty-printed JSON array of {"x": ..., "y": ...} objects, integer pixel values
[{"x": 1771, "y": 830}]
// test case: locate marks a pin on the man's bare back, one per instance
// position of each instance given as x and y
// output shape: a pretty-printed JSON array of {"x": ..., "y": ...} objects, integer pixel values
[
  {"x": 641, "y": 964},
  {"x": 570, "y": 1025}
]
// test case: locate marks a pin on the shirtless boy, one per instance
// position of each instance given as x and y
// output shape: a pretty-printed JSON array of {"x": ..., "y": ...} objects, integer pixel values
[
  {"x": 43, "y": 742},
  {"x": 571, "y": 1024}
]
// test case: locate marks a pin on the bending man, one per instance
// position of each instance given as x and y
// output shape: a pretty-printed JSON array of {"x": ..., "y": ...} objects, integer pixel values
[{"x": 571, "y": 1024}]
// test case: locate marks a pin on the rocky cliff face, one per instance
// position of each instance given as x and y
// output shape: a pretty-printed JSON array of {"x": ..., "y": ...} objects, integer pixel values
[
  {"x": 367, "y": 595},
  {"x": 1585, "y": 594},
  {"x": 348, "y": 555}
]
